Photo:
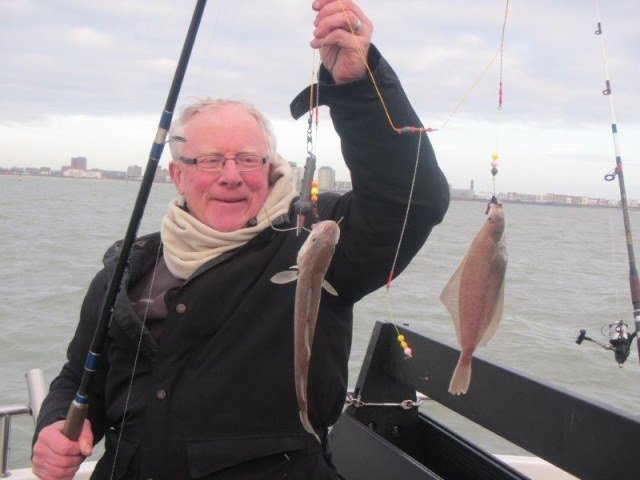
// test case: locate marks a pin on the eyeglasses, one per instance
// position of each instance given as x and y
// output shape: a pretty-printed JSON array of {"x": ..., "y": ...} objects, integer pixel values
[{"x": 246, "y": 162}]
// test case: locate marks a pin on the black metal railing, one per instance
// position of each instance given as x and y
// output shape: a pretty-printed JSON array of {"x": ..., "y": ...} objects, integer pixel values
[{"x": 585, "y": 438}]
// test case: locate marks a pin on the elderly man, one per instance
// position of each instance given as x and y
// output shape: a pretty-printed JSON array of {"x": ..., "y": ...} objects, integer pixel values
[{"x": 197, "y": 379}]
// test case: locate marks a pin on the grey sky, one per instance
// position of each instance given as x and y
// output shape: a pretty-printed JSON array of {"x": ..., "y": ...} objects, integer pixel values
[{"x": 90, "y": 78}]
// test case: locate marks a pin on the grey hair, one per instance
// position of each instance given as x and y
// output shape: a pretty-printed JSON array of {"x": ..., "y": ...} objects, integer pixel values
[{"x": 207, "y": 104}]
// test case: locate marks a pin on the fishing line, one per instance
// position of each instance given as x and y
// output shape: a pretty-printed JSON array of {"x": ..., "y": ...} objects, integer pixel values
[
  {"x": 504, "y": 27},
  {"x": 276, "y": 228},
  {"x": 499, "y": 52},
  {"x": 409, "y": 129},
  {"x": 135, "y": 363},
  {"x": 403, "y": 130},
  {"x": 406, "y": 349},
  {"x": 307, "y": 203},
  {"x": 314, "y": 92},
  {"x": 615, "y": 261},
  {"x": 209, "y": 46},
  {"x": 314, "y": 111},
  {"x": 469, "y": 90},
  {"x": 315, "y": 86},
  {"x": 494, "y": 155},
  {"x": 420, "y": 131},
  {"x": 406, "y": 214}
]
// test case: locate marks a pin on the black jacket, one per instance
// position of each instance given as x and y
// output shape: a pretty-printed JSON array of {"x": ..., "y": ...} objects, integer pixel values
[{"x": 216, "y": 394}]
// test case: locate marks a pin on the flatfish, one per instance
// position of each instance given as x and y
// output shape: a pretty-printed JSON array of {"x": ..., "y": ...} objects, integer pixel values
[{"x": 474, "y": 295}]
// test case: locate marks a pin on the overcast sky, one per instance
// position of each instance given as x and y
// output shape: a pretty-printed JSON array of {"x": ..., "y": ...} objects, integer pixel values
[{"x": 90, "y": 78}]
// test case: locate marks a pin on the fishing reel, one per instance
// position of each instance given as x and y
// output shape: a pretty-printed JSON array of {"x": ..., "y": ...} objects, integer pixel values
[{"x": 619, "y": 340}]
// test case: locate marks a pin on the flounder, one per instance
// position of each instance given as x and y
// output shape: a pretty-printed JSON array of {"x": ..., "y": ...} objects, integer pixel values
[{"x": 474, "y": 295}]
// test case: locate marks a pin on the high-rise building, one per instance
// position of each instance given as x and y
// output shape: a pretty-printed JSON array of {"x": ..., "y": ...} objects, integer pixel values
[
  {"x": 326, "y": 179},
  {"x": 298, "y": 173},
  {"x": 79, "y": 163},
  {"x": 134, "y": 172},
  {"x": 162, "y": 175}
]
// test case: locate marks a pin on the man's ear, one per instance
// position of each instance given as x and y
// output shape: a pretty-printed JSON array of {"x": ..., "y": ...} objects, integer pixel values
[
  {"x": 270, "y": 167},
  {"x": 177, "y": 176}
]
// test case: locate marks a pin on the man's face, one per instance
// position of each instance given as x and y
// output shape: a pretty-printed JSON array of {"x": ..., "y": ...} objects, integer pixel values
[{"x": 227, "y": 200}]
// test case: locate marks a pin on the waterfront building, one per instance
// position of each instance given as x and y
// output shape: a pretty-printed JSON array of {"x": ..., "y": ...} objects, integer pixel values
[
  {"x": 134, "y": 172},
  {"x": 342, "y": 186},
  {"x": 562, "y": 199},
  {"x": 298, "y": 173},
  {"x": 521, "y": 197},
  {"x": 79, "y": 163},
  {"x": 78, "y": 173},
  {"x": 326, "y": 179},
  {"x": 162, "y": 175}
]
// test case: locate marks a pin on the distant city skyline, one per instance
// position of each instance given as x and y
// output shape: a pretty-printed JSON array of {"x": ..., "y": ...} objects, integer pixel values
[
  {"x": 326, "y": 176},
  {"x": 92, "y": 77}
]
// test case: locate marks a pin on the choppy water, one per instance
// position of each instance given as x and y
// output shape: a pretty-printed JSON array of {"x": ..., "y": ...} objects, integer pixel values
[{"x": 567, "y": 270}]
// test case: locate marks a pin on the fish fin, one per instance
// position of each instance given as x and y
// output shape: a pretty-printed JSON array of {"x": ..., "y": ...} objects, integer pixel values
[
  {"x": 329, "y": 288},
  {"x": 461, "y": 378},
  {"x": 496, "y": 317},
  {"x": 307, "y": 426},
  {"x": 302, "y": 405},
  {"x": 450, "y": 297},
  {"x": 285, "y": 276}
]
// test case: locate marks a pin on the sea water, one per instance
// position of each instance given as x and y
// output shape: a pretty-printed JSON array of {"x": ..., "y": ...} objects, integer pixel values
[{"x": 568, "y": 269}]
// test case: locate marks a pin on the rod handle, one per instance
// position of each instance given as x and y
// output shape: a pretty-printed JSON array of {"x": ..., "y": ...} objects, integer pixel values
[{"x": 75, "y": 420}]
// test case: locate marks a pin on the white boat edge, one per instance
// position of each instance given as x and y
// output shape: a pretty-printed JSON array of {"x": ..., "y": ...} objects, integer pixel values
[
  {"x": 26, "y": 474},
  {"x": 533, "y": 467}
]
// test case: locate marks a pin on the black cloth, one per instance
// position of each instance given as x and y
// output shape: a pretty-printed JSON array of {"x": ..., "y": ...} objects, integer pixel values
[{"x": 215, "y": 397}]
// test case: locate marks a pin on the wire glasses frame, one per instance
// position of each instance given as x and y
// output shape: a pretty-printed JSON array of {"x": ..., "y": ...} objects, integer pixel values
[{"x": 246, "y": 162}]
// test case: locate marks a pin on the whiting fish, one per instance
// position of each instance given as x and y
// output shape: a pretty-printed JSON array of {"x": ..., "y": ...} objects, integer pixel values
[
  {"x": 313, "y": 261},
  {"x": 474, "y": 295}
]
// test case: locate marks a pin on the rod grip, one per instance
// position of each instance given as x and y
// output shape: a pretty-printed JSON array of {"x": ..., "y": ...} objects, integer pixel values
[{"x": 75, "y": 420}]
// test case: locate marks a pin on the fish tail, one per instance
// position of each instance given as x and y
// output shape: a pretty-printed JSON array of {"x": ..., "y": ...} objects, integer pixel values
[
  {"x": 304, "y": 418},
  {"x": 461, "y": 378}
]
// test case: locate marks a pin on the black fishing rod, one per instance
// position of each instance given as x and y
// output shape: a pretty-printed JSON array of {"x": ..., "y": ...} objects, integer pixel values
[
  {"x": 78, "y": 408},
  {"x": 634, "y": 282},
  {"x": 619, "y": 338}
]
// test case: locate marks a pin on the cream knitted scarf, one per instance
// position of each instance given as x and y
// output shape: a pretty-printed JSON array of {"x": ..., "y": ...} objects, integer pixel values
[{"x": 189, "y": 243}]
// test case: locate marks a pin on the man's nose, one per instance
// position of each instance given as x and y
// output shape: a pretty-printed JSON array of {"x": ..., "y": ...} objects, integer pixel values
[{"x": 230, "y": 172}]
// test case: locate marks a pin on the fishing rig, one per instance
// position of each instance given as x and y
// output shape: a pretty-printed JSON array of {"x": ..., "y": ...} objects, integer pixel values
[
  {"x": 620, "y": 339},
  {"x": 421, "y": 131},
  {"x": 306, "y": 205}
]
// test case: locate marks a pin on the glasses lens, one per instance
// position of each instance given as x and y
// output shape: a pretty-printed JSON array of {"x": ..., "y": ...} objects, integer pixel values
[
  {"x": 249, "y": 163},
  {"x": 211, "y": 163}
]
